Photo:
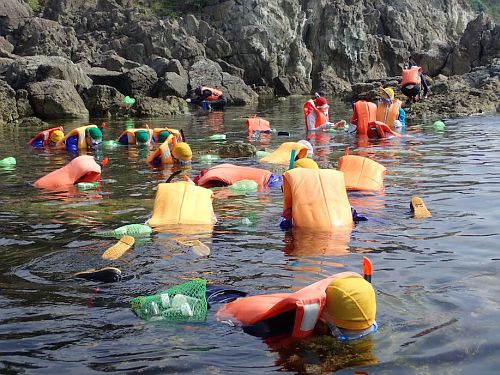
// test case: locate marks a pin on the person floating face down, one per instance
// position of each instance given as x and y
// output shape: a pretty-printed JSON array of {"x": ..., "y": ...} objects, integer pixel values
[
  {"x": 139, "y": 137},
  {"x": 47, "y": 138},
  {"x": 170, "y": 151},
  {"x": 82, "y": 138},
  {"x": 314, "y": 198},
  {"x": 389, "y": 110},
  {"x": 343, "y": 305},
  {"x": 229, "y": 174}
]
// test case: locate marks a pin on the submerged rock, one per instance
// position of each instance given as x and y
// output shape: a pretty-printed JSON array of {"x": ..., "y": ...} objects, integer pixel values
[{"x": 237, "y": 150}]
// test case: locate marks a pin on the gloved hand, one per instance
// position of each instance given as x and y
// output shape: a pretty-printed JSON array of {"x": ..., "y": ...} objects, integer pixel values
[
  {"x": 356, "y": 217},
  {"x": 188, "y": 100},
  {"x": 285, "y": 224}
]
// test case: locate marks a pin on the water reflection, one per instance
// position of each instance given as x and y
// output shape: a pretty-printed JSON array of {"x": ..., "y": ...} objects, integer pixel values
[{"x": 435, "y": 279}]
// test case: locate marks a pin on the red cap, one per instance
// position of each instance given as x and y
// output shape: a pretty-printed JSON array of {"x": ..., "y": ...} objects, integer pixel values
[{"x": 319, "y": 102}]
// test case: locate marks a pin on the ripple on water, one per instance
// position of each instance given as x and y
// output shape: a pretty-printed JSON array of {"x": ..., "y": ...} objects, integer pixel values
[{"x": 434, "y": 278}]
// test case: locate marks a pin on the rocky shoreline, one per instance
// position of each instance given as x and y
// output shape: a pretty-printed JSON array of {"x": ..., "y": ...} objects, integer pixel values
[{"x": 80, "y": 60}]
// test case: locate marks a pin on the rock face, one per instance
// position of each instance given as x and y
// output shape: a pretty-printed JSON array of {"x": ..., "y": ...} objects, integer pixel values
[
  {"x": 55, "y": 99},
  {"x": 477, "y": 92},
  {"x": 104, "y": 101},
  {"x": 25, "y": 70},
  {"x": 8, "y": 109},
  {"x": 241, "y": 47},
  {"x": 479, "y": 45},
  {"x": 13, "y": 14}
]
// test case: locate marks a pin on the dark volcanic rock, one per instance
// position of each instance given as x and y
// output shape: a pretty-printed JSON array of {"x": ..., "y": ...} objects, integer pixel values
[
  {"x": 40, "y": 36},
  {"x": 154, "y": 107},
  {"x": 56, "y": 99},
  {"x": 13, "y": 14},
  {"x": 237, "y": 150},
  {"x": 104, "y": 101},
  {"x": 138, "y": 81},
  {"x": 25, "y": 70},
  {"x": 209, "y": 73},
  {"x": 8, "y": 109}
]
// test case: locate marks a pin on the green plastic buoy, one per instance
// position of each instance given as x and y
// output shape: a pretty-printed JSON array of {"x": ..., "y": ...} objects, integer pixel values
[
  {"x": 217, "y": 137},
  {"x": 110, "y": 144},
  {"x": 87, "y": 185},
  {"x": 208, "y": 157},
  {"x": 261, "y": 154},
  {"x": 8, "y": 161},
  {"x": 244, "y": 186},
  {"x": 438, "y": 125}
]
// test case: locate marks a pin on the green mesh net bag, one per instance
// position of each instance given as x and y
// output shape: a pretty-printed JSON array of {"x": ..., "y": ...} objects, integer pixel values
[{"x": 182, "y": 303}]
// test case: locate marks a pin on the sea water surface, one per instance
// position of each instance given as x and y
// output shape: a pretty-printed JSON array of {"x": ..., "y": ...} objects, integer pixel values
[{"x": 437, "y": 284}]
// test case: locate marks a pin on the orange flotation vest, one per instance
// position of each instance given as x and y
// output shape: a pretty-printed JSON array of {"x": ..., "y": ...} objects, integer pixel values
[
  {"x": 182, "y": 203},
  {"x": 364, "y": 113},
  {"x": 164, "y": 151},
  {"x": 283, "y": 153},
  {"x": 131, "y": 136},
  {"x": 45, "y": 135},
  {"x": 80, "y": 133},
  {"x": 257, "y": 124},
  {"x": 81, "y": 169},
  {"x": 411, "y": 76},
  {"x": 381, "y": 129},
  {"x": 387, "y": 114},
  {"x": 216, "y": 94},
  {"x": 361, "y": 173},
  {"x": 176, "y": 133},
  {"x": 229, "y": 174},
  {"x": 307, "y": 302},
  {"x": 317, "y": 197},
  {"x": 320, "y": 117}
]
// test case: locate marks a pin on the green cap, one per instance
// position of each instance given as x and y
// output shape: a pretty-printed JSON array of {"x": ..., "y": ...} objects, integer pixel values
[
  {"x": 142, "y": 136},
  {"x": 94, "y": 133},
  {"x": 163, "y": 136}
]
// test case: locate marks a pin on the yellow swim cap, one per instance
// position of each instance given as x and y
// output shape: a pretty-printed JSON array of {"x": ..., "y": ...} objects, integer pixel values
[
  {"x": 388, "y": 92},
  {"x": 350, "y": 303},
  {"x": 305, "y": 163},
  {"x": 56, "y": 136},
  {"x": 182, "y": 151}
]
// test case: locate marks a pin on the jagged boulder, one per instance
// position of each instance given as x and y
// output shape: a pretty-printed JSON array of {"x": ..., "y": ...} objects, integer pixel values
[
  {"x": 434, "y": 59},
  {"x": 158, "y": 64},
  {"x": 25, "y": 70},
  {"x": 56, "y": 99},
  {"x": 6, "y": 48},
  {"x": 13, "y": 14},
  {"x": 175, "y": 66},
  {"x": 171, "y": 84},
  {"x": 41, "y": 36},
  {"x": 209, "y": 73},
  {"x": 265, "y": 39},
  {"x": 113, "y": 62},
  {"x": 154, "y": 107},
  {"x": 103, "y": 101},
  {"x": 477, "y": 92},
  {"x": 479, "y": 45},
  {"x": 23, "y": 104},
  {"x": 237, "y": 150},
  {"x": 101, "y": 76},
  {"x": 138, "y": 81},
  {"x": 8, "y": 108}
]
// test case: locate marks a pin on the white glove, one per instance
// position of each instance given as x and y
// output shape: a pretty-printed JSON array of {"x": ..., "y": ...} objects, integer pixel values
[{"x": 188, "y": 100}]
